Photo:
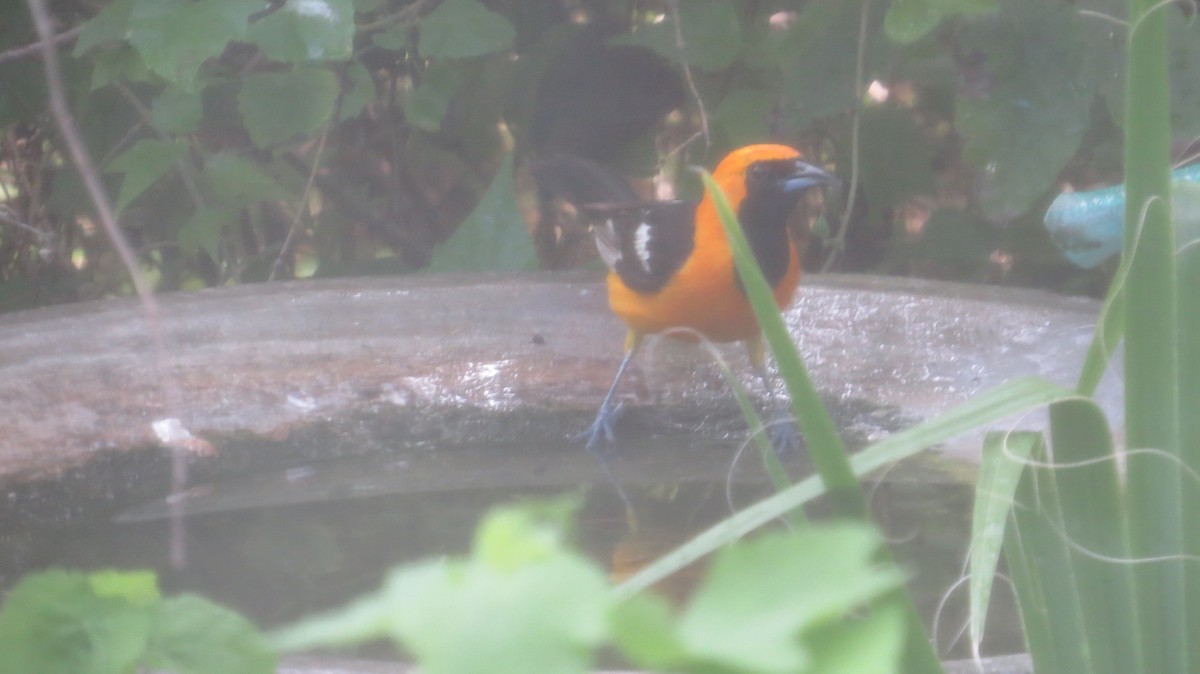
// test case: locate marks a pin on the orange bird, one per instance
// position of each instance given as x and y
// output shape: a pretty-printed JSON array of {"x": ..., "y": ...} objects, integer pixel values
[{"x": 670, "y": 265}]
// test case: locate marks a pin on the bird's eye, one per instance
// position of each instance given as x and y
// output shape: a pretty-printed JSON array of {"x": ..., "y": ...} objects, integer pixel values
[{"x": 758, "y": 170}]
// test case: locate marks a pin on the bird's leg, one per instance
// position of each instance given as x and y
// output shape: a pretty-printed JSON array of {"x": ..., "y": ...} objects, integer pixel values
[
  {"x": 601, "y": 433},
  {"x": 785, "y": 435}
]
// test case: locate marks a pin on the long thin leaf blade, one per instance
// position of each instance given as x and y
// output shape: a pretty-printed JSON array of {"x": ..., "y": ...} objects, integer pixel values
[
  {"x": 1039, "y": 562},
  {"x": 1004, "y": 458},
  {"x": 1095, "y": 522},
  {"x": 825, "y": 445},
  {"x": 1006, "y": 400},
  {"x": 1189, "y": 430},
  {"x": 762, "y": 441},
  {"x": 1151, "y": 352}
]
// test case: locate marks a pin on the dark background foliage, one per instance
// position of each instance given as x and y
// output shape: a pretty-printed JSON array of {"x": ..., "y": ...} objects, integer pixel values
[{"x": 349, "y": 137}]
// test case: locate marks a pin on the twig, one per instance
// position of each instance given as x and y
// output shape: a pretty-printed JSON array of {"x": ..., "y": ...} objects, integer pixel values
[
  {"x": 404, "y": 15},
  {"x": 91, "y": 181},
  {"x": 302, "y": 206},
  {"x": 681, "y": 47},
  {"x": 9, "y": 216},
  {"x": 82, "y": 159},
  {"x": 839, "y": 239},
  {"x": 35, "y": 49}
]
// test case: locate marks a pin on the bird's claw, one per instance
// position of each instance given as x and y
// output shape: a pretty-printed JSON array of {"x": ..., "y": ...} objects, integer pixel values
[
  {"x": 785, "y": 435},
  {"x": 601, "y": 435}
]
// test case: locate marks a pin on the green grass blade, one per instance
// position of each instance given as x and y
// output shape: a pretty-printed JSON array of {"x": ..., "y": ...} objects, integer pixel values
[
  {"x": 1006, "y": 400},
  {"x": 1110, "y": 329},
  {"x": 825, "y": 446},
  {"x": 1039, "y": 563},
  {"x": 1095, "y": 513},
  {"x": 762, "y": 441},
  {"x": 1004, "y": 459},
  {"x": 1189, "y": 429},
  {"x": 1151, "y": 353}
]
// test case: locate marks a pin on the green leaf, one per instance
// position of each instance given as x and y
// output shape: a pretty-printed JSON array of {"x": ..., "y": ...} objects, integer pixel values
[
  {"x": 110, "y": 24},
  {"x": 395, "y": 38},
  {"x": 496, "y": 612},
  {"x": 910, "y": 20},
  {"x": 176, "y": 36},
  {"x": 360, "y": 94},
  {"x": 137, "y": 587},
  {"x": 143, "y": 164},
  {"x": 203, "y": 230},
  {"x": 1095, "y": 520},
  {"x": 121, "y": 63},
  {"x": 428, "y": 103},
  {"x": 643, "y": 628},
  {"x": 712, "y": 35},
  {"x": 277, "y": 107},
  {"x": 54, "y": 622},
  {"x": 307, "y": 30},
  {"x": 951, "y": 236},
  {"x": 24, "y": 91},
  {"x": 1184, "y": 74},
  {"x": 195, "y": 636},
  {"x": 1028, "y": 103},
  {"x": 365, "y": 619},
  {"x": 1004, "y": 458},
  {"x": 1183, "y": 69},
  {"x": 510, "y": 538},
  {"x": 553, "y": 616},
  {"x": 1039, "y": 563},
  {"x": 464, "y": 28},
  {"x": 895, "y": 160},
  {"x": 818, "y": 58},
  {"x": 237, "y": 181},
  {"x": 493, "y": 237},
  {"x": 868, "y": 643},
  {"x": 761, "y": 595},
  {"x": 743, "y": 115},
  {"x": 176, "y": 111}
]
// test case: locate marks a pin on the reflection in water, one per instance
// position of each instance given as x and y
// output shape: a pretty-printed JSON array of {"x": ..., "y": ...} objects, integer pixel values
[{"x": 285, "y": 542}]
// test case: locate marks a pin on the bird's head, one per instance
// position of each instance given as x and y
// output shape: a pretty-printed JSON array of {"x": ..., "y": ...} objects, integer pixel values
[{"x": 768, "y": 172}]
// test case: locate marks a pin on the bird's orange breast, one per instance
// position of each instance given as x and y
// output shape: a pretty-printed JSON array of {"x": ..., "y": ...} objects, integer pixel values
[{"x": 704, "y": 295}]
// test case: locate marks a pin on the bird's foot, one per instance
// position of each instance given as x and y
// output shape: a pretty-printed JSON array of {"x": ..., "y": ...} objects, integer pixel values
[
  {"x": 785, "y": 435},
  {"x": 601, "y": 435}
]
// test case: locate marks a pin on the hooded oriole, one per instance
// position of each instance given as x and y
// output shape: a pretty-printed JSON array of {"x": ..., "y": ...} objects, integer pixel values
[{"x": 670, "y": 265}]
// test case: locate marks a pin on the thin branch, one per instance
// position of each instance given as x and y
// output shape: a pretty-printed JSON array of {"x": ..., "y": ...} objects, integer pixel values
[
  {"x": 91, "y": 181},
  {"x": 302, "y": 207},
  {"x": 406, "y": 14},
  {"x": 681, "y": 47},
  {"x": 839, "y": 240},
  {"x": 35, "y": 49},
  {"x": 82, "y": 158}
]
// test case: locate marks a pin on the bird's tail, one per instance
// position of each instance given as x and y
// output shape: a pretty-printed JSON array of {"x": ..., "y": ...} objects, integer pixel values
[{"x": 579, "y": 181}]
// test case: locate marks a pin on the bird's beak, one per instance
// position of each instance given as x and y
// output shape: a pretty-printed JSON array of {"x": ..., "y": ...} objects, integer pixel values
[{"x": 807, "y": 175}]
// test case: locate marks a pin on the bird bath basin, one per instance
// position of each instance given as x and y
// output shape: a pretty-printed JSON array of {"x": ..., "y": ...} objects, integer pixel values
[{"x": 348, "y": 425}]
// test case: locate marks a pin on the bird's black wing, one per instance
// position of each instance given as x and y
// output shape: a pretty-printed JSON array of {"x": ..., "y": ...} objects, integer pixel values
[{"x": 646, "y": 242}]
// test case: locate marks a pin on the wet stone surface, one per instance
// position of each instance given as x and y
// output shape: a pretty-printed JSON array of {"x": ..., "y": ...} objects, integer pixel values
[{"x": 351, "y": 366}]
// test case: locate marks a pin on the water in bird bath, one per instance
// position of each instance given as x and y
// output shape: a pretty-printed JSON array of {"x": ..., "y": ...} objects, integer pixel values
[{"x": 277, "y": 541}]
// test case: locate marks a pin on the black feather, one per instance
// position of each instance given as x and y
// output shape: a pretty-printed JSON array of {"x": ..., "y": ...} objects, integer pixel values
[{"x": 645, "y": 243}]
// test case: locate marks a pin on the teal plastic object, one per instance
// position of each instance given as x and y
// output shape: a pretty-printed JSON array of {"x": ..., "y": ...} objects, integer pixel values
[{"x": 1088, "y": 227}]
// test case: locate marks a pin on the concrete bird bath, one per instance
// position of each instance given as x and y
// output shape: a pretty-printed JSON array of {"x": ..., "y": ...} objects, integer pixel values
[{"x": 447, "y": 389}]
